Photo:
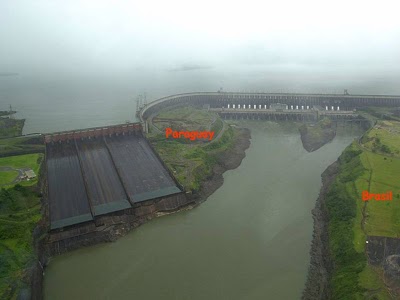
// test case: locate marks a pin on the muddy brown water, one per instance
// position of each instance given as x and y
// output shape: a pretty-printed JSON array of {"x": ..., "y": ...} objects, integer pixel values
[{"x": 249, "y": 240}]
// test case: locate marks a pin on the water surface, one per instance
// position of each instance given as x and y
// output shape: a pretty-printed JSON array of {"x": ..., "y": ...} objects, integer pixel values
[{"x": 249, "y": 240}]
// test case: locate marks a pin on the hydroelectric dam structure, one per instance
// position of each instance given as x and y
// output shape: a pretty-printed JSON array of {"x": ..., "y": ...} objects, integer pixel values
[
  {"x": 102, "y": 182},
  {"x": 293, "y": 106}
]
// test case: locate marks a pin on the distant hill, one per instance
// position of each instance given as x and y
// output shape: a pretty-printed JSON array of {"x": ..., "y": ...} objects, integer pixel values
[{"x": 8, "y": 74}]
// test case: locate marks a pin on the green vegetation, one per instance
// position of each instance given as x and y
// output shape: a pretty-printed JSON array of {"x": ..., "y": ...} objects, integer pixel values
[
  {"x": 191, "y": 162},
  {"x": 20, "y": 207},
  {"x": 315, "y": 136},
  {"x": 364, "y": 166},
  {"x": 217, "y": 126},
  {"x": 19, "y": 214},
  {"x": 21, "y": 145},
  {"x": 383, "y": 217},
  {"x": 11, "y": 127},
  {"x": 383, "y": 138},
  {"x": 188, "y": 118},
  {"x": 7, "y": 177},
  {"x": 31, "y": 161},
  {"x": 342, "y": 209},
  {"x": 22, "y": 161},
  {"x": 380, "y": 113}
]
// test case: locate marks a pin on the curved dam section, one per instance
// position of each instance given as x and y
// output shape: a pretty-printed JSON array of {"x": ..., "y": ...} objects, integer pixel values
[{"x": 222, "y": 99}]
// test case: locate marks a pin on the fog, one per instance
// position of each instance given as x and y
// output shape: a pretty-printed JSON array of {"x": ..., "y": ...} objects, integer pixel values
[
  {"x": 83, "y": 63},
  {"x": 123, "y": 36}
]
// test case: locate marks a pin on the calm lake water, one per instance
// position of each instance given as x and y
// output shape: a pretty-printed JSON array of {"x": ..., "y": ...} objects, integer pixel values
[
  {"x": 249, "y": 240},
  {"x": 56, "y": 102}
]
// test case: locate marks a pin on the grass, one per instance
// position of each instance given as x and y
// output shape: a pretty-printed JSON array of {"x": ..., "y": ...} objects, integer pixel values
[
  {"x": 369, "y": 279},
  {"x": 383, "y": 216},
  {"x": 11, "y": 127},
  {"x": 342, "y": 211},
  {"x": 7, "y": 177},
  {"x": 21, "y": 145},
  {"x": 19, "y": 213},
  {"x": 379, "y": 113},
  {"x": 188, "y": 118},
  {"x": 363, "y": 168},
  {"x": 20, "y": 210},
  {"x": 31, "y": 161},
  {"x": 191, "y": 162},
  {"x": 384, "y": 138}
]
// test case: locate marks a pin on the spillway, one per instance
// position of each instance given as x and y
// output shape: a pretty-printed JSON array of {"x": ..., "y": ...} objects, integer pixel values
[{"x": 99, "y": 172}]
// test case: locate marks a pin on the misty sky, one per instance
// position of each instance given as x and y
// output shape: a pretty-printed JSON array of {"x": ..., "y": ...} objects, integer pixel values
[{"x": 120, "y": 36}]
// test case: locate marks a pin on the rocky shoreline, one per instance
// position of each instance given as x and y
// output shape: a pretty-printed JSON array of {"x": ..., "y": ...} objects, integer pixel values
[
  {"x": 319, "y": 272},
  {"x": 229, "y": 160}
]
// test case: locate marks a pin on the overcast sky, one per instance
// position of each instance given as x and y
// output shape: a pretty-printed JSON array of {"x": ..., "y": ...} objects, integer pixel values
[{"x": 125, "y": 35}]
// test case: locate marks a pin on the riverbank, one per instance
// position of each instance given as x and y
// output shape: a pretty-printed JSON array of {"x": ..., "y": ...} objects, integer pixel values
[
  {"x": 355, "y": 242},
  {"x": 319, "y": 273},
  {"x": 334, "y": 255},
  {"x": 228, "y": 160}
]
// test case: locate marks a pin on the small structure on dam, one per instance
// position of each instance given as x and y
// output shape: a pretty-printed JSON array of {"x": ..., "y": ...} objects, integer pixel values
[{"x": 99, "y": 174}]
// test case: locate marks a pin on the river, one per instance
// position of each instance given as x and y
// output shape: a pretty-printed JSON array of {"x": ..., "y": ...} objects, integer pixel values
[{"x": 249, "y": 240}]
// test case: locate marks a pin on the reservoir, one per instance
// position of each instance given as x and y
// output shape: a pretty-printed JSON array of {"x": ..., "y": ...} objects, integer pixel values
[{"x": 250, "y": 240}]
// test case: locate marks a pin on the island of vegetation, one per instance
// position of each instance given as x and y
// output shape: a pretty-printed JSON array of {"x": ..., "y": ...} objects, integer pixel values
[
  {"x": 314, "y": 136},
  {"x": 355, "y": 254}
]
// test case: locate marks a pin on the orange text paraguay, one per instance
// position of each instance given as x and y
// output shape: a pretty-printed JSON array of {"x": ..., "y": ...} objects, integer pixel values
[
  {"x": 379, "y": 197},
  {"x": 192, "y": 135}
]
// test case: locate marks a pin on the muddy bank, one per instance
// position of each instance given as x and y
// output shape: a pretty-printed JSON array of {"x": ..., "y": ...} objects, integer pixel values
[
  {"x": 228, "y": 160},
  {"x": 317, "y": 285}
]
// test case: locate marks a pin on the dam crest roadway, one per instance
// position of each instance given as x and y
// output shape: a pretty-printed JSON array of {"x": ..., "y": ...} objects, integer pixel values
[{"x": 225, "y": 103}]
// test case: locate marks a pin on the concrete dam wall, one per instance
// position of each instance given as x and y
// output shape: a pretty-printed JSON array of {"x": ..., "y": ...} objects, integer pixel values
[
  {"x": 223, "y": 99},
  {"x": 100, "y": 182}
]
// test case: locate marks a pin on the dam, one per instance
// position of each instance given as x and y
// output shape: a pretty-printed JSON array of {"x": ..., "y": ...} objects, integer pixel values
[
  {"x": 102, "y": 178},
  {"x": 297, "y": 106}
]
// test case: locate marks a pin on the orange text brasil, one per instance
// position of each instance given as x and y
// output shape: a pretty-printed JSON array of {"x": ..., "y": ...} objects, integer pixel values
[
  {"x": 379, "y": 197},
  {"x": 192, "y": 135}
]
